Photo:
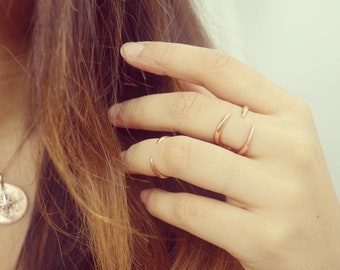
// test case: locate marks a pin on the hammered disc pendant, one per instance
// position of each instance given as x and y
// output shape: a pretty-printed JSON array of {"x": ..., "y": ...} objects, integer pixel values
[{"x": 13, "y": 204}]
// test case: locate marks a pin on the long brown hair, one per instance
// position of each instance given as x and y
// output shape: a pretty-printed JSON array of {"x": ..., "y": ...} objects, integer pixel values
[{"x": 88, "y": 214}]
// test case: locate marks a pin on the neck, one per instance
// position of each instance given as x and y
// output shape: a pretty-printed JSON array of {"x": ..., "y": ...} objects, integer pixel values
[
  {"x": 13, "y": 93},
  {"x": 14, "y": 109}
]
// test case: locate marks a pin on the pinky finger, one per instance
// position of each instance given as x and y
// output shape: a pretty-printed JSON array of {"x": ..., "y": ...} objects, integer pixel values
[{"x": 219, "y": 223}]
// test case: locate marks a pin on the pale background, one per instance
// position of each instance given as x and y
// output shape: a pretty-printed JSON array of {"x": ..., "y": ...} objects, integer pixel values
[{"x": 294, "y": 43}]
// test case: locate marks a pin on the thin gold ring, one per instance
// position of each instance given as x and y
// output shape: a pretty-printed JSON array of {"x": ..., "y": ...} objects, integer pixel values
[
  {"x": 218, "y": 133},
  {"x": 245, "y": 110},
  {"x": 153, "y": 166},
  {"x": 243, "y": 150},
  {"x": 219, "y": 130}
]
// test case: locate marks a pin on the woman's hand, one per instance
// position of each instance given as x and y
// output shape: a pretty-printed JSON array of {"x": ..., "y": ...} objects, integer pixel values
[{"x": 281, "y": 210}]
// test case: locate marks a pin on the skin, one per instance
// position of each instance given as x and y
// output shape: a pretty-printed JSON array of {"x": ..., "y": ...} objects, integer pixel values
[
  {"x": 18, "y": 169},
  {"x": 281, "y": 210}
]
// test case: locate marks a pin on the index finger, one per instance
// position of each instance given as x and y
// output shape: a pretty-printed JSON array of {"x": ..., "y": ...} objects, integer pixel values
[{"x": 223, "y": 75}]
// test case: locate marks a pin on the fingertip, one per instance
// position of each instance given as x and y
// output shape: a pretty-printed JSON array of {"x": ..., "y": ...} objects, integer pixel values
[
  {"x": 131, "y": 49},
  {"x": 145, "y": 195},
  {"x": 113, "y": 113},
  {"x": 123, "y": 155}
]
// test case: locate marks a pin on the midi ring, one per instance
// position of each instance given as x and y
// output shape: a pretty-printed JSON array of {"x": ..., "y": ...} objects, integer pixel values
[
  {"x": 153, "y": 166},
  {"x": 219, "y": 129},
  {"x": 218, "y": 133},
  {"x": 245, "y": 110},
  {"x": 243, "y": 150}
]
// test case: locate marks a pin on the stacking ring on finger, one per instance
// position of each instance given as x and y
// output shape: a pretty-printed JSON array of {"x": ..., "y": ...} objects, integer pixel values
[
  {"x": 153, "y": 165},
  {"x": 218, "y": 133}
]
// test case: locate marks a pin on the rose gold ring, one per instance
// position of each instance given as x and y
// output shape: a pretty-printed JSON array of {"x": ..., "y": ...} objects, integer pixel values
[
  {"x": 245, "y": 110},
  {"x": 153, "y": 166},
  {"x": 243, "y": 150},
  {"x": 218, "y": 133},
  {"x": 219, "y": 130}
]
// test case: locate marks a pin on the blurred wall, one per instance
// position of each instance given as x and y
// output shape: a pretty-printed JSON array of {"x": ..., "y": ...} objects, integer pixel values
[{"x": 294, "y": 43}]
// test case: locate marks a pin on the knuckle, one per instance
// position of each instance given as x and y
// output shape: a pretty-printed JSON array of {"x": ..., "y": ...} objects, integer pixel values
[
  {"x": 301, "y": 110},
  {"x": 185, "y": 212},
  {"x": 216, "y": 61},
  {"x": 161, "y": 55},
  {"x": 303, "y": 151},
  {"x": 306, "y": 112},
  {"x": 235, "y": 172},
  {"x": 178, "y": 153},
  {"x": 275, "y": 237},
  {"x": 185, "y": 105},
  {"x": 281, "y": 235},
  {"x": 134, "y": 108},
  {"x": 304, "y": 106},
  {"x": 154, "y": 203}
]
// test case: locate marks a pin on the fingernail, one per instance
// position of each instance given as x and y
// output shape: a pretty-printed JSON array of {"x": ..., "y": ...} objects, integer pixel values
[
  {"x": 131, "y": 49},
  {"x": 113, "y": 113},
  {"x": 123, "y": 155},
  {"x": 145, "y": 195}
]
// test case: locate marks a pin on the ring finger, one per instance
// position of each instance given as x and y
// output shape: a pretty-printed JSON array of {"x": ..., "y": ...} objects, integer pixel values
[{"x": 186, "y": 158}]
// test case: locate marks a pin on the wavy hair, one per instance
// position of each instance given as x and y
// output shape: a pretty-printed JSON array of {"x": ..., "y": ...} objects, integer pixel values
[{"x": 87, "y": 213}]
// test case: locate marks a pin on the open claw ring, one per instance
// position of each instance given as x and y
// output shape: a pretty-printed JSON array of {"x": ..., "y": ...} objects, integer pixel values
[
  {"x": 153, "y": 166},
  {"x": 218, "y": 133}
]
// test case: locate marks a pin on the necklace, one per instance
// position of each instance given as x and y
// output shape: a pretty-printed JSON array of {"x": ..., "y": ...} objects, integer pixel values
[{"x": 13, "y": 200}]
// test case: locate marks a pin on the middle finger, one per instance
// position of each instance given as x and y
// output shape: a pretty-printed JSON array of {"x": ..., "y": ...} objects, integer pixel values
[{"x": 198, "y": 116}]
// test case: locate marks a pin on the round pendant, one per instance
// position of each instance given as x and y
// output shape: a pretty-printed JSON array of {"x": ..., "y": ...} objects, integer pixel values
[{"x": 13, "y": 204}]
